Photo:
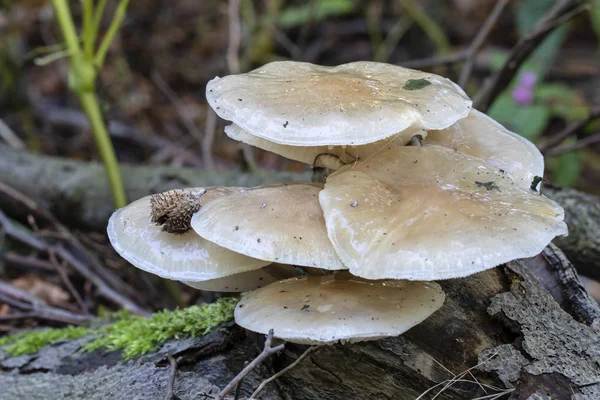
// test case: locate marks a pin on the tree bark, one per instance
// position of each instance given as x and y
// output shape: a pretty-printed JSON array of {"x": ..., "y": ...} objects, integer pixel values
[{"x": 502, "y": 320}]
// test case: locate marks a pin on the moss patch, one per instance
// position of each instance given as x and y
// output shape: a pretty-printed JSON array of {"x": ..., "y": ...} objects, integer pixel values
[{"x": 133, "y": 334}]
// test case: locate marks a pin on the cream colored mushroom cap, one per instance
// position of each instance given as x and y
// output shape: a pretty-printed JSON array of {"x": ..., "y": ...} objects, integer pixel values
[
  {"x": 178, "y": 257},
  {"x": 246, "y": 281},
  {"x": 428, "y": 213},
  {"x": 480, "y": 136},
  {"x": 279, "y": 223},
  {"x": 325, "y": 309},
  {"x": 302, "y": 104},
  {"x": 308, "y": 154}
]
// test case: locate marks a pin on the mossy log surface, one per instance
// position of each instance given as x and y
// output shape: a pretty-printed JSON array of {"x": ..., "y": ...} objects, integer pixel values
[
  {"x": 78, "y": 194},
  {"x": 502, "y": 319}
]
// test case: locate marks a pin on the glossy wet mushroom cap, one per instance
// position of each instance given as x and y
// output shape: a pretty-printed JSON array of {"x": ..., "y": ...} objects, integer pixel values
[
  {"x": 280, "y": 223},
  {"x": 480, "y": 136},
  {"x": 302, "y": 104},
  {"x": 184, "y": 256},
  {"x": 428, "y": 213},
  {"x": 340, "y": 307}
]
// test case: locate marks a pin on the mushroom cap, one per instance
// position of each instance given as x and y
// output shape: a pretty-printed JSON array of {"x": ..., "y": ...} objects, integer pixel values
[
  {"x": 280, "y": 223},
  {"x": 246, "y": 281},
  {"x": 302, "y": 104},
  {"x": 428, "y": 213},
  {"x": 325, "y": 309},
  {"x": 178, "y": 257},
  {"x": 308, "y": 154},
  {"x": 480, "y": 136}
]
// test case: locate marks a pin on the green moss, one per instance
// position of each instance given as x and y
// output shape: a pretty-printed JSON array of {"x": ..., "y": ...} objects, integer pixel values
[
  {"x": 30, "y": 342},
  {"x": 133, "y": 334}
]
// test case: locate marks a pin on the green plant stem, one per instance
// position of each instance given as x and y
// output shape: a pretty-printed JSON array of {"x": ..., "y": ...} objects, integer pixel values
[
  {"x": 111, "y": 32},
  {"x": 65, "y": 20},
  {"x": 89, "y": 37},
  {"x": 82, "y": 77},
  {"x": 90, "y": 105}
]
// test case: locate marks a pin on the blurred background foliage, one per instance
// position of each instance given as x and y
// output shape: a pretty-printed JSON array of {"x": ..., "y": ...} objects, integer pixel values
[{"x": 152, "y": 85}]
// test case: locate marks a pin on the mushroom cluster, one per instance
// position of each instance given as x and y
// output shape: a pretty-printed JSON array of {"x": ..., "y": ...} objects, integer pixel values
[{"x": 422, "y": 188}]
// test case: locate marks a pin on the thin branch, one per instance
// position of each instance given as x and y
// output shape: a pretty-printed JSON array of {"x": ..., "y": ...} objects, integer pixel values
[
  {"x": 267, "y": 352},
  {"x": 177, "y": 103},
  {"x": 557, "y": 151},
  {"x": 264, "y": 383},
  {"x": 562, "y": 12},
  {"x": 571, "y": 129},
  {"x": 10, "y": 137},
  {"x": 171, "y": 385},
  {"x": 60, "y": 269},
  {"x": 210, "y": 128},
  {"x": 81, "y": 267},
  {"x": 480, "y": 40},
  {"x": 235, "y": 34}
]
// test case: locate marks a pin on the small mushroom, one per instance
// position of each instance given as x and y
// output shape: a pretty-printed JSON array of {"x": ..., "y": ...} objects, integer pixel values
[
  {"x": 184, "y": 256},
  {"x": 330, "y": 308},
  {"x": 428, "y": 213},
  {"x": 246, "y": 281},
  {"x": 480, "y": 136},
  {"x": 289, "y": 229},
  {"x": 302, "y": 104}
]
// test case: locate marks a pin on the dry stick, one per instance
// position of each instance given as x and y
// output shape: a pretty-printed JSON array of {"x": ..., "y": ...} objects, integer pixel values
[
  {"x": 36, "y": 308},
  {"x": 267, "y": 351},
  {"x": 572, "y": 128},
  {"x": 60, "y": 268},
  {"x": 562, "y": 12},
  {"x": 35, "y": 263},
  {"x": 179, "y": 109},
  {"x": 264, "y": 383},
  {"x": 479, "y": 41},
  {"x": 233, "y": 63},
  {"x": 103, "y": 288},
  {"x": 557, "y": 151},
  {"x": 210, "y": 127},
  {"x": 171, "y": 385}
]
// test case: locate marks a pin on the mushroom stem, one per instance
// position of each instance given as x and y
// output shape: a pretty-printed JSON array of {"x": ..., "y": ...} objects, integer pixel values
[
  {"x": 416, "y": 140},
  {"x": 267, "y": 351}
]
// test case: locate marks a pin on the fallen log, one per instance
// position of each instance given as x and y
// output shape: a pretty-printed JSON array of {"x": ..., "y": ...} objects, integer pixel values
[{"x": 499, "y": 332}]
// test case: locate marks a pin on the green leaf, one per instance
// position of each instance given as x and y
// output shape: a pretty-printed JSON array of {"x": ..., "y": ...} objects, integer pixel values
[
  {"x": 416, "y": 84},
  {"x": 528, "y": 121},
  {"x": 595, "y": 18}
]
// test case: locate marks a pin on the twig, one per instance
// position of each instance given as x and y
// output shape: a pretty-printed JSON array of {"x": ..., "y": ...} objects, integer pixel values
[
  {"x": 569, "y": 130},
  {"x": 210, "y": 127},
  {"x": 557, "y": 151},
  {"x": 60, "y": 269},
  {"x": 264, "y": 383},
  {"x": 37, "y": 244},
  {"x": 10, "y": 137},
  {"x": 435, "y": 61},
  {"x": 80, "y": 266},
  {"x": 267, "y": 352},
  {"x": 562, "y": 12},
  {"x": 34, "y": 263},
  {"x": 171, "y": 385},
  {"x": 479, "y": 41},
  {"x": 235, "y": 34},
  {"x": 179, "y": 109},
  {"x": 36, "y": 308}
]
